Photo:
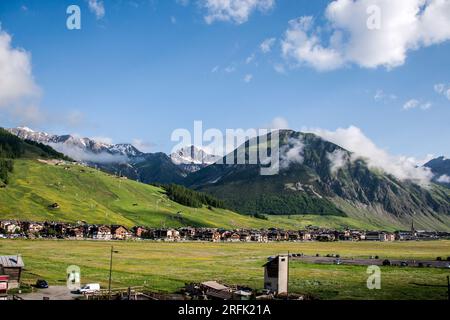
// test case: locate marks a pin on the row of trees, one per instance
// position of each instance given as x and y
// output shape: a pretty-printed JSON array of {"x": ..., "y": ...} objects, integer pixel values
[
  {"x": 191, "y": 198},
  {"x": 10, "y": 147},
  {"x": 6, "y": 166}
]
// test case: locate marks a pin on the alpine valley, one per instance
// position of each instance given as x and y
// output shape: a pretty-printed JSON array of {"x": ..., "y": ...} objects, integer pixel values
[{"x": 317, "y": 179}]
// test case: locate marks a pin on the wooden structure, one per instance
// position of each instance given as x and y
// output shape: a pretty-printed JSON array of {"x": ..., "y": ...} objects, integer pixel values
[{"x": 12, "y": 266}]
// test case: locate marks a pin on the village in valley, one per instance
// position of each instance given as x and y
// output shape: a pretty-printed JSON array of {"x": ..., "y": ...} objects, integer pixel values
[{"x": 14, "y": 229}]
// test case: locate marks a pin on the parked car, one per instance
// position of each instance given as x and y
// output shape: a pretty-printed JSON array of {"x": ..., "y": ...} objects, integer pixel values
[
  {"x": 89, "y": 288},
  {"x": 41, "y": 284},
  {"x": 337, "y": 261},
  {"x": 404, "y": 264}
]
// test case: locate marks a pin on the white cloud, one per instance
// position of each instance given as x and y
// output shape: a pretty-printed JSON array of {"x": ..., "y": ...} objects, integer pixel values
[
  {"x": 230, "y": 69},
  {"x": 444, "y": 179},
  {"x": 173, "y": 20},
  {"x": 101, "y": 139},
  {"x": 279, "y": 68},
  {"x": 411, "y": 104},
  {"x": 250, "y": 58},
  {"x": 338, "y": 159},
  {"x": 291, "y": 153},
  {"x": 443, "y": 89},
  {"x": 306, "y": 48},
  {"x": 80, "y": 154},
  {"x": 97, "y": 7},
  {"x": 19, "y": 94},
  {"x": 405, "y": 25},
  {"x": 381, "y": 96},
  {"x": 266, "y": 45},
  {"x": 355, "y": 141},
  {"x": 16, "y": 79},
  {"x": 278, "y": 123},
  {"x": 142, "y": 145},
  {"x": 248, "y": 78},
  {"x": 414, "y": 103},
  {"x": 215, "y": 69},
  {"x": 439, "y": 88},
  {"x": 237, "y": 11}
]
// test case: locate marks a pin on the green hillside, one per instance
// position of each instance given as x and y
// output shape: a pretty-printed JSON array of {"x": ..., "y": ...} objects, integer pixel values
[{"x": 87, "y": 194}]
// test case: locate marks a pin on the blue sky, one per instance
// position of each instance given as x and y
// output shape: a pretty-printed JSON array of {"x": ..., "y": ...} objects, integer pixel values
[{"x": 144, "y": 68}]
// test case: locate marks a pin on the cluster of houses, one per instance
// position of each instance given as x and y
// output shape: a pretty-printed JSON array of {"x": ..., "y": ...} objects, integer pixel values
[{"x": 83, "y": 230}]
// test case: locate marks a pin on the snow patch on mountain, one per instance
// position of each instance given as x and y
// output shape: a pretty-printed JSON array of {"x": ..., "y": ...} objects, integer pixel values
[
  {"x": 193, "y": 155},
  {"x": 80, "y": 149}
]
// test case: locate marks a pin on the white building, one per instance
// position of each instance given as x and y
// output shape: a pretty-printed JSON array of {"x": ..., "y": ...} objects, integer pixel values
[{"x": 276, "y": 274}]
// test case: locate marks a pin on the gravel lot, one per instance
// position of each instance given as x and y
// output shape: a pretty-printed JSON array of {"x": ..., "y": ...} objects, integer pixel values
[{"x": 52, "y": 293}]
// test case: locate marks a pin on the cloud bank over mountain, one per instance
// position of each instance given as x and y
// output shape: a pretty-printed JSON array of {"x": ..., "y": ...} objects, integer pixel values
[{"x": 355, "y": 141}]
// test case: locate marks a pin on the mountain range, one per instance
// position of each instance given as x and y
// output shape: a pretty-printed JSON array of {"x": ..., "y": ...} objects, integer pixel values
[
  {"x": 124, "y": 159},
  {"x": 317, "y": 177}
]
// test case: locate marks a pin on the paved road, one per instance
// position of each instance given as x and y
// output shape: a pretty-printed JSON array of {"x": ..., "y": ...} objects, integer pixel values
[
  {"x": 53, "y": 293},
  {"x": 367, "y": 262}
]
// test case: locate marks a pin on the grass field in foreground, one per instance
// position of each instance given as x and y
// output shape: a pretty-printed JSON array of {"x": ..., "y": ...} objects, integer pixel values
[{"x": 167, "y": 266}]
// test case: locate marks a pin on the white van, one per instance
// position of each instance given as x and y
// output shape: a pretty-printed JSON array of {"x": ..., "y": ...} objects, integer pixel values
[{"x": 89, "y": 288}]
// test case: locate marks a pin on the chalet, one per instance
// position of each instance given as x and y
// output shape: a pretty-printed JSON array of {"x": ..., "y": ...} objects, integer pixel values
[
  {"x": 230, "y": 236},
  {"x": 139, "y": 231},
  {"x": 245, "y": 236},
  {"x": 274, "y": 235},
  {"x": 12, "y": 266},
  {"x": 358, "y": 235},
  {"x": 305, "y": 235},
  {"x": 387, "y": 236},
  {"x": 159, "y": 234},
  {"x": 405, "y": 235},
  {"x": 259, "y": 237},
  {"x": 75, "y": 232},
  {"x": 424, "y": 235},
  {"x": 101, "y": 233},
  {"x": 325, "y": 237},
  {"x": 120, "y": 233},
  {"x": 166, "y": 234},
  {"x": 293, "y": 236},
  {"x": 187, "y": 233},
  {"x": 10, "y": 226},
  {"x": 210, "y": 235},
  {"x": 373, "y": 236},
  {"x": 344, "y": 235},
  {"x": 173, "y": 235},
  {"x": 33, "y": 227}
]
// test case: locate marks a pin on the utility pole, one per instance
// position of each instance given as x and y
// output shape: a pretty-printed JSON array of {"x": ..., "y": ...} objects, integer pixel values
[
  {"x": 448, "y": 287},
  {"x": 287, "y": 287},
  {"x": 110, "y": 270}
]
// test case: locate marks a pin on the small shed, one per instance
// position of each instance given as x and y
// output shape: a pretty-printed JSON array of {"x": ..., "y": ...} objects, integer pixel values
[
  {"x": 12, "y": 266},
  {"x": 216, "y": 290}
]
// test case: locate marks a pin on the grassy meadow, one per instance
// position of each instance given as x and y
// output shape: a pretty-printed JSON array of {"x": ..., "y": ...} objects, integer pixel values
[
  {"x": 167, "y": 267},
  {"x": 99, "y": 198}
]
